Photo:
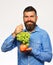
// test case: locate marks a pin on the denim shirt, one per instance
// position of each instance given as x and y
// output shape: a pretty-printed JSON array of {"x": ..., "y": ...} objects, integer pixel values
[{"x": 41, "y": 48}]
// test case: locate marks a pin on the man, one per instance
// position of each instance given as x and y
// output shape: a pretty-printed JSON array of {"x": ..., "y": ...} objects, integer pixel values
[{"x": 39, "y": 50}]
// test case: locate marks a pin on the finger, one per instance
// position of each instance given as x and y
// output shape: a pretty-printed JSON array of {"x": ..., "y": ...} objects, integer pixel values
[{"x": 28, "y": 49}]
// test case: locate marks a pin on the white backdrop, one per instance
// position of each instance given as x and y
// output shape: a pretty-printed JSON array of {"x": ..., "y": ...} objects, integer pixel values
[{"x": 11, "y": 12}]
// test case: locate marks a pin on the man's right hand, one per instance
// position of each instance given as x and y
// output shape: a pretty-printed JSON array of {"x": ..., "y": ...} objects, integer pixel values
[{"x": 18, "y": 29}]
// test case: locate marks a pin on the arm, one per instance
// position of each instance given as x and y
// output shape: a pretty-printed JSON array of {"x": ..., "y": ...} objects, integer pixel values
[
  {"x": 46, "y": 53},
  {"x": 11, "y": 41}
]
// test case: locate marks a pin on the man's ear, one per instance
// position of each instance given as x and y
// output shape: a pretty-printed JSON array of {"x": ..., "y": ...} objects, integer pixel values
[{"x": 37, "y": 17}]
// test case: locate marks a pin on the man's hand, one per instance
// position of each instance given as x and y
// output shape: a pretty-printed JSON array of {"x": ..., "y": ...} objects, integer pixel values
[
  {"x": 29, "y": 49},
  {"x": 18, "y": 29}
]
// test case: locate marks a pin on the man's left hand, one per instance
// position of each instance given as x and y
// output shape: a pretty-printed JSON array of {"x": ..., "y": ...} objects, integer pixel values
[{"x": 29, "y": 49}]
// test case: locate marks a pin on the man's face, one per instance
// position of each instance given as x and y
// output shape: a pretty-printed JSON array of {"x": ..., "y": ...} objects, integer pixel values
[{"x": 30, "y": 19}]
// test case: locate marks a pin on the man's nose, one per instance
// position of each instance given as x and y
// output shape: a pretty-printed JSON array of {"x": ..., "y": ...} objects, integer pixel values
[{"x": 29, "y": 18}]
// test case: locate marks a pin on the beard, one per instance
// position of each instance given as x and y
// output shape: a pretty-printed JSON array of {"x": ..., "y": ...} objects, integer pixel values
[{"x": 30, "y": 26}]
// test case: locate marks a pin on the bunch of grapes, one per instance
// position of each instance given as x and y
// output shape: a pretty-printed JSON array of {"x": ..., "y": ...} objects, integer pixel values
[{"x": 23, "y": 37}]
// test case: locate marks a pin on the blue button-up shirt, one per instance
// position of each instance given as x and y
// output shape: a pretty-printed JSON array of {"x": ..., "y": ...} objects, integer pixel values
[{"x": 40, "y": 44}]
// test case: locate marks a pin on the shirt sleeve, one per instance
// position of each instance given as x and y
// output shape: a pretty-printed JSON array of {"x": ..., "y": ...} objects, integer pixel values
[
  {"x": 46, "y": 53},
  {"x": 8, "y": 44}
]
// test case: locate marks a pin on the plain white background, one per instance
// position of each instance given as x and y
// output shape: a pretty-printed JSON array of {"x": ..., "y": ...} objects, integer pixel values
[{"x": 11, "y": 15}]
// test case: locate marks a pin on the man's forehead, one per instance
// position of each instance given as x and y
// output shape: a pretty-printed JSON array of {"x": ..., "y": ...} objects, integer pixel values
[{"x": 29, "y": 13}]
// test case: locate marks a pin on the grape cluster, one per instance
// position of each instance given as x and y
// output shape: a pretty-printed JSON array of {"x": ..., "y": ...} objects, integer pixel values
[{"x": 23, "y": 37}]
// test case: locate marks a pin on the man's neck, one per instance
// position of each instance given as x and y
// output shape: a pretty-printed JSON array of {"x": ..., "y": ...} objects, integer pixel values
[{"x": 31, "y": 31}]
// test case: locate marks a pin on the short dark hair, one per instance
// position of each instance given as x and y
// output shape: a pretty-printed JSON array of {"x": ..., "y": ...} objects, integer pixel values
[{"x": 30, "y": 8}]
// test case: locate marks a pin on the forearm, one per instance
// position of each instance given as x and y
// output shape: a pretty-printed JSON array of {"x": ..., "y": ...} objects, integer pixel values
[
  {"x": 42, "y": 55},
  {"x": 8, "y": 44}
]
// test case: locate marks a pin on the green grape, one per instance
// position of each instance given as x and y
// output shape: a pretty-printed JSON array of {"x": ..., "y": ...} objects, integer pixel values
[{"x": 23, "y": 37}]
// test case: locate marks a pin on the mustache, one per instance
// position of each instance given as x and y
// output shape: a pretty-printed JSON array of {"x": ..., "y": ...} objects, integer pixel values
[{"x": 29, "y": 21}]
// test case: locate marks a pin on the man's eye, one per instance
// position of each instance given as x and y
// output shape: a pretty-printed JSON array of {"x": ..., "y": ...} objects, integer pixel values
[{"x": 31, "y": 16}]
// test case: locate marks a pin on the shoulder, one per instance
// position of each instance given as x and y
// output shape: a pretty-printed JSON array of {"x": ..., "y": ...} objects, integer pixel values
[{"x": 43, "y": 32}]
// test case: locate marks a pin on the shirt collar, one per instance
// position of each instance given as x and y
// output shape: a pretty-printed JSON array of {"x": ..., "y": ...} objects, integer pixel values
[{"x": 37, "y": 28}]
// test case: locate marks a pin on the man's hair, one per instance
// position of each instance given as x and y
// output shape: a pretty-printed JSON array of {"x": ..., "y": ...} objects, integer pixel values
[{"x": 30, "y": 8}]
